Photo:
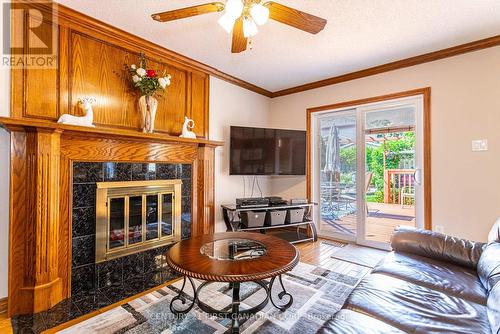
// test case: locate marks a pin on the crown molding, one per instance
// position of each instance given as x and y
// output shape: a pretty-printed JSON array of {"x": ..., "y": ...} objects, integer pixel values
[
  {"x": 412, "y": 61},
  {"x": 71, "y": 16}
]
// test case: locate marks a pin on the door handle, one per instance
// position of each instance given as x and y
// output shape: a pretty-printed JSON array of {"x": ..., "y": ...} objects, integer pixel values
[{"x": 417, "y": 176}]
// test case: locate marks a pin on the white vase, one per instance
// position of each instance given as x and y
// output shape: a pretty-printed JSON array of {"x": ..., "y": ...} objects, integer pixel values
[{"x": 147, "y": 106}]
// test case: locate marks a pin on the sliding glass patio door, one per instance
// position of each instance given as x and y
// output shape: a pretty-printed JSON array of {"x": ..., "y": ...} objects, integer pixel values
[
  {"x": 367, "y": 170},
  {"x": 335, "y": 174}
]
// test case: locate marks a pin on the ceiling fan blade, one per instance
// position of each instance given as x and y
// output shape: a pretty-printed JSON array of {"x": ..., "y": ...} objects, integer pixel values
[
  {"x": 239, "y": 39},
  {"x": 188, "y": 12},
  {"x": 295, "y": 18}
]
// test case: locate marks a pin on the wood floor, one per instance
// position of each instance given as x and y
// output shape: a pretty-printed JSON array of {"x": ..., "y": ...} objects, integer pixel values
[
  {"x": 317, "y": 253},
  {"x": 377, "y": 228},
  {"x": 5, "y": 326}
]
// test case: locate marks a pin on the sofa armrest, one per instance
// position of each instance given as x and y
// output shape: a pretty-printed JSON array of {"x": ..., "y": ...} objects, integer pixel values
[{"x": 437, "y": 246}]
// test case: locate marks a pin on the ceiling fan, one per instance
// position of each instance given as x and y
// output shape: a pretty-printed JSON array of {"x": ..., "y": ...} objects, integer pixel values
[{"x": 242, "y": 17}]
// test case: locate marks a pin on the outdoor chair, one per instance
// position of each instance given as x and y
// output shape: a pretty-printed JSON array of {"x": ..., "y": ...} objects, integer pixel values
[{"x": 406, "y": 193}]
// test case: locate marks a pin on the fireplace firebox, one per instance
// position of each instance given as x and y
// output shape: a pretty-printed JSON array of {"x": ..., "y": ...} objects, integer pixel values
[{"x": 134, "y": 216}]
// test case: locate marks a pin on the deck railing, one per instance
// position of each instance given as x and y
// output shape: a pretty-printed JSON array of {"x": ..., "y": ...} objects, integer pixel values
[{"x": 395, "y": 181}]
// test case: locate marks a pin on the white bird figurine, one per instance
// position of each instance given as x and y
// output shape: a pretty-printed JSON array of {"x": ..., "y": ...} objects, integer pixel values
[
  {"x": 186, "y": 129},
  {"x": 86, "y": 120}
]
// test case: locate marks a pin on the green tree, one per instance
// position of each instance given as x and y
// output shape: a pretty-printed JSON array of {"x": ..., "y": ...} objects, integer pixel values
[{"x": 348, "y": 159}]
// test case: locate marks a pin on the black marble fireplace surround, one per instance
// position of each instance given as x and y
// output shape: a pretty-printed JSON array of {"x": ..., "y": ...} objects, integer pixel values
[
  {"x": 94, "y": 286},
  {"x": 138, "y": 271}
]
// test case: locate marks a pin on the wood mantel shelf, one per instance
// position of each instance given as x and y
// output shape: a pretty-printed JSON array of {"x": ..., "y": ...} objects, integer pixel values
[{"x": 13, "y": 124}]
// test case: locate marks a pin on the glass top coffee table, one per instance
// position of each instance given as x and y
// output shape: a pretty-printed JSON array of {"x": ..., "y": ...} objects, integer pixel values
[{"x": 235, "y": 258}]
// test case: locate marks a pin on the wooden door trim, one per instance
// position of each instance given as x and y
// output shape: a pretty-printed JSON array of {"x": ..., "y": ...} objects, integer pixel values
[{"x": 426, "y": 94}]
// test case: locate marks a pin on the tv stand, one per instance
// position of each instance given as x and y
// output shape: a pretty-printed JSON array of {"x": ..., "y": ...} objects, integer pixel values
[{"x": 232, "y": 218}]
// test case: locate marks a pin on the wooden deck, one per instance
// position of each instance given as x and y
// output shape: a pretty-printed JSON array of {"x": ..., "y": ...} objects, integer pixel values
[{"x": 383, "y": 219}]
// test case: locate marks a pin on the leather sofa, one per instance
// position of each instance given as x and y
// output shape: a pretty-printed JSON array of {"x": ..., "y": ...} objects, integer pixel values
[{"x": 429, "y": 283}]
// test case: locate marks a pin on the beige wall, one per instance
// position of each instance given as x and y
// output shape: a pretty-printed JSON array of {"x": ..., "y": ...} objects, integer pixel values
[
  {"x": 465, "y": 106},
  {"x": 233, "y": 105}
]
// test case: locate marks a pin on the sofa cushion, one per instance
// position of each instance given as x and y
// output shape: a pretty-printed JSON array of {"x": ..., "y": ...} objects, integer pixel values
[
  {"x": 488, "y": 267},
  {"x": 350, "y": 322},
  {"x": 451, "y": 279},
  {"x": 494, "y": 309},
  {"x": 416, "y": 309}
]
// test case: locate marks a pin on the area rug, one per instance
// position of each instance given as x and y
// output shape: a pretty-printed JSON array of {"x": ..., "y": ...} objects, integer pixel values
[
  {"x": 359, "y": 255},
  {"x": 318, "y": 293}
]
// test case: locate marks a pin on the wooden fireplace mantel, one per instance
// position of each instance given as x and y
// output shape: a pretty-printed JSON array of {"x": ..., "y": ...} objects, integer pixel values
[
  {"x": 41, "y": 160},
  {"x": 14, "y": 124}
]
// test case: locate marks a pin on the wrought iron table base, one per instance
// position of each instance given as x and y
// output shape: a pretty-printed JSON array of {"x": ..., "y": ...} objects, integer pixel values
[{"x": 233, "y": 312}]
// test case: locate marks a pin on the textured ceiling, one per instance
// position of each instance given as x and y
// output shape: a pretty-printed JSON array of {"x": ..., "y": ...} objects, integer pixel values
[{"x": 359, "y": 34}]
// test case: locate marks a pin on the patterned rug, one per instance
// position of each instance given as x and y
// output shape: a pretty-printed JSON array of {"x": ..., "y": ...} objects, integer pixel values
[
  {"x": 360, "y": 255},
  {"x": 318, "y": 294}
]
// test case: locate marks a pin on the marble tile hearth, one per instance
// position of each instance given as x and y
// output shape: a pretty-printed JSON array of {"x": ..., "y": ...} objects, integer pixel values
[{"x": 95, "y": 286}]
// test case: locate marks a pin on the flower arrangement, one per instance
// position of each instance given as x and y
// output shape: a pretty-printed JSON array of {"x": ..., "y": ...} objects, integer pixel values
[
  {"x": 150, "y": 84},
  {"x": 147, "y": 80}
]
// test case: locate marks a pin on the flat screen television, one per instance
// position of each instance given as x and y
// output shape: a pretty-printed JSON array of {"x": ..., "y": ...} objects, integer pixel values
[{"x": 260, "y": 151}]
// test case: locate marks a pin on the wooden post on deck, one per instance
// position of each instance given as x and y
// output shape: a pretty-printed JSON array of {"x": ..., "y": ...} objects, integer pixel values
[{"x": 387, "y": 187}]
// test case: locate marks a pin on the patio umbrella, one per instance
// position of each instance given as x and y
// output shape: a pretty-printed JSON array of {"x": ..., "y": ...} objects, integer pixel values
[{"x": 332, "y": 156}]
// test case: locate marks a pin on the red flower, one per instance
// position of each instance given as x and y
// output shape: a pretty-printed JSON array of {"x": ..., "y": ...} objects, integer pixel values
[{"x": 150, "y": 73}]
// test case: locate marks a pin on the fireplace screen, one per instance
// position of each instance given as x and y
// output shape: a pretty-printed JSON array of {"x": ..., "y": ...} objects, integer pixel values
[{"x": 135, "y": 216}]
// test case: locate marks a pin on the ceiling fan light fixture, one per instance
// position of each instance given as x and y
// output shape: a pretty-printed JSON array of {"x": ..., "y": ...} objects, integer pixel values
[
  {"x": 249, "y": 27},
  {"x": 234, "y": 8},
  {"x": 241, "y": 18},
  {"x": 226, "y": 22},
  {"x": 259, "y": 13}
]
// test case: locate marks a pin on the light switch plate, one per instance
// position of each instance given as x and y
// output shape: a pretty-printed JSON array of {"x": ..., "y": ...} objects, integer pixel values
[{"x": 480, "y": 145}]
